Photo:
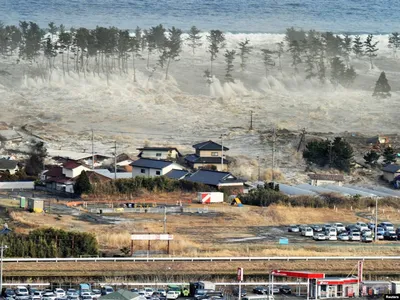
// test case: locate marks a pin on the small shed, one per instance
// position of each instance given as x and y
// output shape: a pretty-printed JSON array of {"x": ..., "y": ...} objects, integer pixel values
[
  {"x": 35, "y": 205},
  {"x": 323, "y": 179}
]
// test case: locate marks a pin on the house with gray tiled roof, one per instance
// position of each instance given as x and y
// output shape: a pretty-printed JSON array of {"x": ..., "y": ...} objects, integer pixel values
[
  {"x": 208, "y": 154},
  {"x": 153, "y": 167}
]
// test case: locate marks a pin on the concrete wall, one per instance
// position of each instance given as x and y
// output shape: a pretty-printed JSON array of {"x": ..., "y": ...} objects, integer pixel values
[
  {"x": 317, "y": 182},
  {"x": 11, "y": 185}
]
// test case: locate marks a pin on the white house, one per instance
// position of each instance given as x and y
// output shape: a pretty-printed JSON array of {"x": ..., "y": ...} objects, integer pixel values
[
  {"x": 72, "y": 169},
  {"x": 324, "y": 179},
  {"x": 166, "y": 153},
  {"x": 8, "y": 165},
  {"x": 153, "y": 167}
]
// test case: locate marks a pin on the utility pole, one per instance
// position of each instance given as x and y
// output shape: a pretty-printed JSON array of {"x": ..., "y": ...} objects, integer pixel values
[
  {"x": 273, "y": 153},
  {"x": 2, "y": 248},
  {"x": 303, "y": 134},
  {"x": 165, "y": 219},
  {"x": 222, "y": 152},
  {"x": 115, "y": 160},
  {"x": 251, "y": 120},
  {"x": 92, "y": 150},
  {"x": 259, "y": 168}
]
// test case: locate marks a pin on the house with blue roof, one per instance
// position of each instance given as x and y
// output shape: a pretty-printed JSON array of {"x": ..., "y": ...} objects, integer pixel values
[
  {"x": 217, "y": 179},
  {"x": 153, "y": 167}
]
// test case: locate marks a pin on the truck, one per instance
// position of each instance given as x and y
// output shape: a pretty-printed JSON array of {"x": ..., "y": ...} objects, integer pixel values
[
  {"x": 84, "y": 288},
  {"x": 200, "y": 286},
  {"x": 395, "y": 289},
  {"x": 210, "y": 197}
]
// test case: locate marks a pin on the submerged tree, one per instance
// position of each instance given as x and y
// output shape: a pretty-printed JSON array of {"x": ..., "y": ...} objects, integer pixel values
[
  {"x": 194, "y": 38},
  {"x": 389, "y": 155},
  {"x": 371, "y": 157},
  {"x": 229, "y": 58},
  {"x": 244, "y": 51},
  {"x": 267, "y": 60},
  {"x": 295, "y": 51},
  {"x": 347, "y": 48},
  {"x": 337, "y": 70},
  {"x": 279, "y": 52},
  {"x": 173, "y": 47},
  {"x": 216, "y": 38},
  {"x": 394, "y": 42},
  {"x": 382, "y": 87},
  {"x": 370, "y": 48},
  {"x": 358, "y": 46}
]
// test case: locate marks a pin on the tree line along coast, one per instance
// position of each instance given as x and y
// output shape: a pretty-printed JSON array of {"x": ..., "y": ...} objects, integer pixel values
[{"x": 322, "y": 56}]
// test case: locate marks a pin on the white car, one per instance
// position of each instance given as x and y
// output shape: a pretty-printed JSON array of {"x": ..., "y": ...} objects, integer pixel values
[
  {"x": 367, "y": 232},
  {"x": 307, "y": 231},
  {"x": 37, "y": 295},
  {"x": 331, "y": 237},
  {"x": 173, "y": 294},
  {"x": 361, "y": 226},
  {"x": 339, "y": 227},
  {"x": 148, "y": 291},
  {"x": 387, "y": 226},
  {"x": 355, "y": 236},
  {"x": 162, "y": 292},
  {"x": 343, "y": 237},
  {"x": 86, "y": 297},
  {"x": 59, "y": 293},
  {"x": 319, "y": 237},
  {"x": 71, "y": 292},
  {"x": 73, "y": 296},
  {"x": 21, "y": 291}
]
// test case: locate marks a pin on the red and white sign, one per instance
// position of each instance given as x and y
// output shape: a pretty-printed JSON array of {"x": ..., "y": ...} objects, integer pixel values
[
  {"x": 152, "y": 237},
  {"x": 211, "y": 197},
  {"x": 240, "y": 274},
  {"x": 337, "y": 281},
  {"x": 308, "y": 275},
  {"x": 360, "y": 270}
]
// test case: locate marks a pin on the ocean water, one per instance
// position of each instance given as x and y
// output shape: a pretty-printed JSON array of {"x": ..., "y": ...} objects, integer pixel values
[{"x": 244, "y": 16}]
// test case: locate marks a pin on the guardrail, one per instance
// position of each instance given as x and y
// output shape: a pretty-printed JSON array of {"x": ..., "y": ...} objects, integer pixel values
[{"x": 200, "y": 259}]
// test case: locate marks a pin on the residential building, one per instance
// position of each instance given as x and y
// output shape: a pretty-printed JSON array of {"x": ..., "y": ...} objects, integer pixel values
[
  {"x": 8, "y": 165},
  {"x": 107, "y": 173},
  {"x": 217, "y": 179},
  {"x": 323, "y": 179},
  {"x": 72, "y": 169},
  {"x": 390, "y": 172},
  {"x": 153, "y": 167},
  {"x": 208, "y": 154},
  {"x": 165, "y": 153}
]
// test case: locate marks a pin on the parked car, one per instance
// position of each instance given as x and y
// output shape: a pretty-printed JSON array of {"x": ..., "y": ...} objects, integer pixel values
[
  {"x": 343, "y": 236},
  {"x": 307, "y": 231},
  {"x": 71, "y": 292},
  {"x": 148, "y": 291},
  {"x": 260, "y": 290},
  {"x": 293, "y": 228},
  {"x": 8, "y": 293},
  {"x": 302, "y": 227},
  {"x": 37, "y": 295},
  {"x": 366, "y": 232},
  {"x": 380, "y": 229},
  {"x": 86, "y": 297},
  {"x": 355, "y": 236},
  {"x": 366, "y": 238},
  {"x": 319, "y": 237},
  {"x": 331, "y": 237},
  {"x": 316, "y": 228},
  {"x": 387, "y": 226},
  {"x": 59, "y": 293},
  {"x": 74, "y": 296},
  {"x": 331, "y": 232},
  {"x": 390, "y": 235},
  {"x": 361, "y": 226},
  {"x": 326, "y": 226},
  {"x": 96, "y": 292},
  {"x": 105, "y": 290},
  {"x": 173, "y": 295},
  {"x": 285, "y": 289},
  {"x": 353, "y": 228},
  {"x": 163, "y": 292},
  {"x": 49, "y": 296},
  {"x": 275, "y": 290},
  {"x": 371, "y": 225},
  {"x": 380, "y": 236},
  {"x": 339, "y": 227}
]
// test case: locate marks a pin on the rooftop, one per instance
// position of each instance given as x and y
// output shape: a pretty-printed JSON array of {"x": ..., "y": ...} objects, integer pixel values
[
  {"x": 7, "y": 164},
  {"x": 212, "y": 177},
  {"x": 121, "y": 295},
  {"x": 194, "y": 158},
  {"x": 111, "y": 175},
  {"x": 209, "y": 145},
  {"x": 391, "y": 168},
  {"x": 74, "y": 155},
  {"x": 151, "y": 163},
  {"x": 331, "y": 177},
  {"x": 158, "y": 148},
  {"x": 71, "y": 164},
  {"x": 177, "y": 174}
]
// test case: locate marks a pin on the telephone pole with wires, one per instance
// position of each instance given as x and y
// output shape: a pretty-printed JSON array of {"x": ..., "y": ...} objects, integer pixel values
[
  {"x": 92, "y": 150},
  {"x": 115, "y": 160},
  {"x": 222, "y": 151},
  {"x": 251, "y": 120}
]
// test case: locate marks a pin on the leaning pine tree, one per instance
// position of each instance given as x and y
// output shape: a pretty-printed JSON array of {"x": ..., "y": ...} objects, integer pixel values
[
  {"x": 267, "y": 60},
  {"x": 382, "y": 87},
  {"x": 370, "y": 49},
  {"x": 229, "y": 58}
]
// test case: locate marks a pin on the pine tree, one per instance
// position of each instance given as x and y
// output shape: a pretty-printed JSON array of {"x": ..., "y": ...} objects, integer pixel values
[
  {"x": 349, "y": 76},
  {"x": 229, "y": 58},
  {"x": 370, "y": 48},
  {"x": 194, "y": 38},
  {"x": 394, "y": 42},
  {"x": 82, "y": 184},
  {"x": 173, "y": 47},
  {"x": 371, "y": 157},
  {"x": 244, "y": 51},
  {"x": 310, "y": 67},
  {"x": 342, "y": 157},
  {"x": 382, "y": 87},
  {"x": 280, "y": 51},
  {"x": 321, "y": 68},
  {"x": 267, "y": 60},
  {"x": 295, "y": 51},
  {"x": 337, "y": 70},
  {"x": 389, "y": 155},
  {"x": 358, "y": 46},
  {"x": 216, "y": 39},
  {"x": 346, "y": 47}
]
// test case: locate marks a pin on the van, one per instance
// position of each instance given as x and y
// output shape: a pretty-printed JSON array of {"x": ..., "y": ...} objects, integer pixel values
[
  {"x": 105, "y": 290},
  {"x": 331, "y": 231},
  {"x": 173, "y": 295},
  {"x": 307, "y": 232}
]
